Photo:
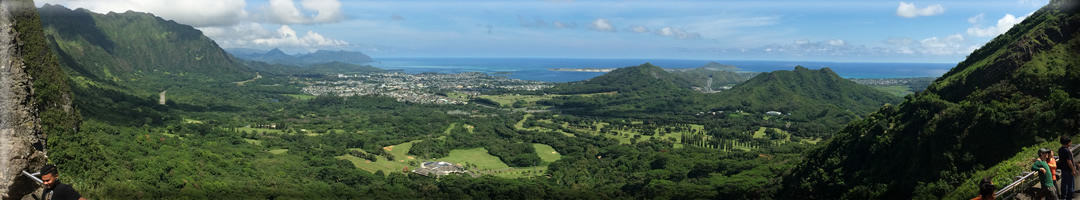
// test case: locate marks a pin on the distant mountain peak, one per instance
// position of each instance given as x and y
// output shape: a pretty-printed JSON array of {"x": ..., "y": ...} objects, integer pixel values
[
  {"x": 321, "y": 56},
  {"x": 276, "y": 51}
]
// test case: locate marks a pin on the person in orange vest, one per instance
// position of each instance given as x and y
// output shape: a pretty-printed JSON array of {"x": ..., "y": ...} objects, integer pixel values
[{"x": 1053, "y": 165}]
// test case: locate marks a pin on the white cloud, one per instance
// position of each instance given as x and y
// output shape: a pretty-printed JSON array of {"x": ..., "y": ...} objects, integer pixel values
[
  {"x": 601, "y": 24},
  {"x": 286, "y": 12},
  {"x": 639, "y": 29},
  {"x": 677, "y": 33},
  {"x": 837, "y": 42},
  {"x": 558, "y": 24},
  {"x": 1003, "y": 25},
  {"x": 205, "y": 13},
  {"x": 950, "y": 45},
  {"x": 977, "y": 18},
  {"x": 210, "y": 12},
  {"x": 254, "y": 35},
  {"x": 909, "y": 10}
]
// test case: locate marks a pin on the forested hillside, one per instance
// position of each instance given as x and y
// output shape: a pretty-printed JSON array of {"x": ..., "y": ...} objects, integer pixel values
[
  {"x": 818, "y": 96},
  {"x": 637, "y": 91},
  {"x": 137, "y": 53},
  {"x": 1018, "y": 90}
]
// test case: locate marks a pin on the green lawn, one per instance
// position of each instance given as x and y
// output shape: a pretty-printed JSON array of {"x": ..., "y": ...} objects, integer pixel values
[
  {"x": 813, "y": 141},
  {"x": 278, "y": 151},
  {"x": 760, "y": 133},
  {"x": 475, "y": 156},
  {"x": 897, "y": 90},
  {"x": 399, "y": 151},
  {"x": 546, "y": 153},
  {"x": 255, "y": 142},
  {"x": 507, "y": 100},
  {"x": 451, "y": 127},
  {"x": 254, "y": 130}
]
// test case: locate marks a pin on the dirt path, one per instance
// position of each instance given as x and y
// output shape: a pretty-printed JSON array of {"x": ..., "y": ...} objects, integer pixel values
[
  {"x": 241, "y": 83},
  {"x": 161, "y": 97}
]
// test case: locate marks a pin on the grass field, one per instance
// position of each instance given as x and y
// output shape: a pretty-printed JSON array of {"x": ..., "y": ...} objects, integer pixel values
[
  {"x": 760, "y": 133},
  {"x": 301, "y": 96},
  {"x": 897, "y": 90},
  {"x": 278, "y": 151},
  {"x": 813, "y": 141},
  {"x": 399, "y": 151},
  {"x": 546, "y": 153},
  {"x": 507, "y": 100},
  {"x": 381, "y": 163},
  {"x": 451, "y": 127},
  {"x": 475, "y": 156},
  {"x": 530, "y": 100},
  {"x": 520, "y": 126},
  {"x": 255, "y": 142},
  {"x": 458, "y": 96}
]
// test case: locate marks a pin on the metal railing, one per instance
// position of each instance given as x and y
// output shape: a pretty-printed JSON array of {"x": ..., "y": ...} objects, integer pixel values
[
  {"x": 1025, "y": 178},
  {"x": 33, "y": 176}
]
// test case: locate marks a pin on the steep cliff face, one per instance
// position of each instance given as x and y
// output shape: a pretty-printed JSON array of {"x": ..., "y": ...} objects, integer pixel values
[{"x": 35, "y": 100}]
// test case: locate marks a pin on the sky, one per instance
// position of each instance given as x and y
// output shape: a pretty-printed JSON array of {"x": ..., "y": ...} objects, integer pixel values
[{"x": 912, "y": 31}]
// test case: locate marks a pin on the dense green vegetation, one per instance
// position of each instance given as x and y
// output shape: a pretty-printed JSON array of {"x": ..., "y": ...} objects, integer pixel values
[
  {"x": 52, "y": 96},
  {"x": 217, "y": 139},
  {"x": 820, "y": 99},
  {"x": 641, "y": 134},
  {"x": 1017, "y": 91},
  {"x": 816, "y": 102}
]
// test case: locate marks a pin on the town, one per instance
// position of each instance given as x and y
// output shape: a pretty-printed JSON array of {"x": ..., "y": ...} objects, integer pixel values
[{"x": 417, "y": 88}]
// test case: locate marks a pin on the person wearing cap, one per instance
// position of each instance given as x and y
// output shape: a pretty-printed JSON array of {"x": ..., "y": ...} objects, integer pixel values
[
  {"x": 1045, "y": 177},
  {"x": 54, "y": 190}
]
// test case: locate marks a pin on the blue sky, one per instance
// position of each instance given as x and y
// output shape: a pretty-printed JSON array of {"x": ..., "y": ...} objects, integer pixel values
[{"x": 843, "y": 31}]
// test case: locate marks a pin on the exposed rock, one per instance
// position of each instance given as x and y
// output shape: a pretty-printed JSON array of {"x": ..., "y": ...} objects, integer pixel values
[{"x": 22, "y": 142}]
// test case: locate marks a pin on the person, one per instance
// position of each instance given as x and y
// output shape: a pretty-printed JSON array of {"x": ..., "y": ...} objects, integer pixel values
[
  {"x": 1067, "y": 166},
  {"x": 986, "y": 190},
  {"x": 54, "y": 190},
  {"x": 1053, "y": 166},
  {"x": 1045, "y": 177}
]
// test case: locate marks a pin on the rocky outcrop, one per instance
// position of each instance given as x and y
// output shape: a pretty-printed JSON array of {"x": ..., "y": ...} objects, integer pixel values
[{"x": 22, "y": 64}]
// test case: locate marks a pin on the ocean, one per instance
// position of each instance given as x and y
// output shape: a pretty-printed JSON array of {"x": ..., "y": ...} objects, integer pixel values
[{"x": 537, "y": 68}]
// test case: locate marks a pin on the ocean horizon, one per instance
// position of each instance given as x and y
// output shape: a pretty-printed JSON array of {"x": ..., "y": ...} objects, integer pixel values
[{"x": 537, "y": 69}]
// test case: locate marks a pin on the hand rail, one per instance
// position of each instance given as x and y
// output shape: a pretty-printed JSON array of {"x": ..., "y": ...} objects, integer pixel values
[
  {"x": 33, "y": 177},
  {"x": 1024, "y": 178}
]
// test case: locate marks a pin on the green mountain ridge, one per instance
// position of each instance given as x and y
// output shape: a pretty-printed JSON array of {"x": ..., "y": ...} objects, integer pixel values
[
  {"x": 818, "y": 96},
  {"x": 123, "y": 48},
  {"x": 643, "y": 90},
  {"x": 1016, "y": 91},
  {"x": 119, "y": 64}
]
